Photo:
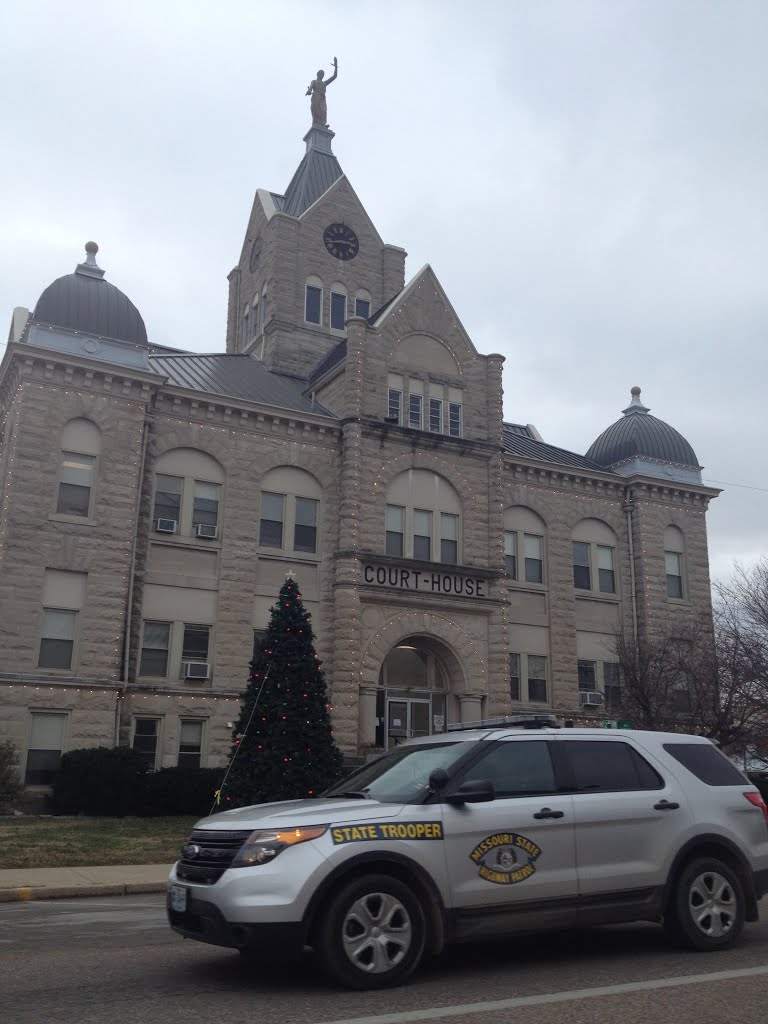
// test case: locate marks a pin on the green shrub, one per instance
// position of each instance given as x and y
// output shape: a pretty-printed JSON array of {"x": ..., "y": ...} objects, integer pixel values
[
  {"x": 10, "y": 781},
  {"x": 172, "y": 791},
  {"x": 99, "y": 781}
]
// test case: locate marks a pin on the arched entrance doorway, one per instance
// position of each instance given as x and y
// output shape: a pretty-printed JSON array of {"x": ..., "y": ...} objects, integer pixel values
[{"x": 415, "y": 692}]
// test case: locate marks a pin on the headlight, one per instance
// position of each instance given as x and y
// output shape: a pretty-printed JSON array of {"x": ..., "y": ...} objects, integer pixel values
[{"x": 265, "y": 843}]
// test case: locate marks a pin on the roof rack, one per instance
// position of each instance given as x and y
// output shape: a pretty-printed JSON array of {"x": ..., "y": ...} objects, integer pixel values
[{"x": 509, "y": 722}]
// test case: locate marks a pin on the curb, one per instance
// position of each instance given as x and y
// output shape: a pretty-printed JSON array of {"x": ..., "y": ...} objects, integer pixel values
[{"x": 26, "y": 894}]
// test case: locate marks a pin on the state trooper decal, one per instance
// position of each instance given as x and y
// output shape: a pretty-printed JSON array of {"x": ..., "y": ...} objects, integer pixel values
[{"x": 506, "y": 858}]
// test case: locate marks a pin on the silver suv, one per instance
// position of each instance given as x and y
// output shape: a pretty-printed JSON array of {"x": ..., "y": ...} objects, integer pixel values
[{"x": 509, "y": 827}]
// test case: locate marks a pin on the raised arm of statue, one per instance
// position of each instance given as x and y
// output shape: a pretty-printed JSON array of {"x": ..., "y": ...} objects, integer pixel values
[{"x": 335, "y": 74}]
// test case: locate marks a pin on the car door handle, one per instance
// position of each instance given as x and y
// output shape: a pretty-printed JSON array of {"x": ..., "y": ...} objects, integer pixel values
[
  {"x": 547, "y": 812},
  {"x": 666, "y": 805}
]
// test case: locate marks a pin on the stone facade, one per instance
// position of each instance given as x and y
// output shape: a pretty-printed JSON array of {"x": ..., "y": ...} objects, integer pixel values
[{"x": 415, "y": 624}]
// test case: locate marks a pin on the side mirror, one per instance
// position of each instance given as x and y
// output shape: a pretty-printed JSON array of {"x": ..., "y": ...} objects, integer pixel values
[{"x": 478, "y": 791}]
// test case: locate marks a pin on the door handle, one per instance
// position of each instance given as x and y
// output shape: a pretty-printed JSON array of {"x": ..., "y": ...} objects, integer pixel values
[
  {"x": 666, "y": 805},
  {"x": 547, "y": 812}
]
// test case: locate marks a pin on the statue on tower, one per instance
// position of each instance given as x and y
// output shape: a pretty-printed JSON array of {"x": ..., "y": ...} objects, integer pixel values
[{"x": 316, "y": 89}]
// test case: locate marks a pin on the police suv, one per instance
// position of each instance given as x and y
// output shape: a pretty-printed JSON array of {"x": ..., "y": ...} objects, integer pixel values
[{"x": 501, "y": 828}]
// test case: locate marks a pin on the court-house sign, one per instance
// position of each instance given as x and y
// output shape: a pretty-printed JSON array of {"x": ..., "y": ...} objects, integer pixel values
[{"x": 426, "y": 581}]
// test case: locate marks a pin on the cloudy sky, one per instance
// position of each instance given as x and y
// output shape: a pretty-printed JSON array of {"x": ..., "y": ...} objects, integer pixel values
[{"x": 587, "y": 177}]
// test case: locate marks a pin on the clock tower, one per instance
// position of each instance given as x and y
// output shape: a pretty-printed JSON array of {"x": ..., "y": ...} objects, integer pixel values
[{"x": 311, "y": 258}]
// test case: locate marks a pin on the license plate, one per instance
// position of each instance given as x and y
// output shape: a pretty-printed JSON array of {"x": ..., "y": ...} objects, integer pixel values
[{"x": 178, "y": 898}]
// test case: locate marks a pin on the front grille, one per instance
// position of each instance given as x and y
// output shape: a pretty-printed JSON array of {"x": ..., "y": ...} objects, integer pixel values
[{"x": 206, "y": 855}]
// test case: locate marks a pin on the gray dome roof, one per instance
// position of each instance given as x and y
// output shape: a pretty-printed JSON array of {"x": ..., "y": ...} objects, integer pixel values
[
  {"x": 85, "y": 302},
  {"x": 638, "y": 435}
]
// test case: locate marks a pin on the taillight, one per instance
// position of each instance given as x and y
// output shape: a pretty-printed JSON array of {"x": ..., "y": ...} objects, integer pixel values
[{"x": 757, "y": 800}]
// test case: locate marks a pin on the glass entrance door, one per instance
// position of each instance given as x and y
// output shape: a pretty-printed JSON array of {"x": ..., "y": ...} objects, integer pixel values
[{"x": 406, "y": 718}]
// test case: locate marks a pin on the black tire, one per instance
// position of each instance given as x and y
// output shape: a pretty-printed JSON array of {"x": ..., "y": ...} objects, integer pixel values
[
  {"x": 706, "y": 907},
  {"x": 372, "y": 933}
]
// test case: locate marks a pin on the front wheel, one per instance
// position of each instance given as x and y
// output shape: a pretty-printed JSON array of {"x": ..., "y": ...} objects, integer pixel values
[
  {"x": 372, "y": 934},
  {"x": 706, "y": 909}
]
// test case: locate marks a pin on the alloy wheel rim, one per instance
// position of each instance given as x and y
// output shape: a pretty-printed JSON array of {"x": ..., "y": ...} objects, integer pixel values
[
  {"x": 712, "y": 904},
  {"x": 376, "y": 933}
]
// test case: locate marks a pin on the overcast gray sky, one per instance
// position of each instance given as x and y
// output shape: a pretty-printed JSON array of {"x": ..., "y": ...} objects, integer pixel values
[{"x": 587, "y": 178}]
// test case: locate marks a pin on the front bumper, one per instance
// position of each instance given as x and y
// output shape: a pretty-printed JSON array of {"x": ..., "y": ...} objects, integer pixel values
[{"x": 204, "y": 922}]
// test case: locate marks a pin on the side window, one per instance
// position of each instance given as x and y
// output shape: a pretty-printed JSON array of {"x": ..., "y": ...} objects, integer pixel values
[
  {"x": 190, "y": 743},
  {"x": 338, "y": 307},
  {"x": 706, "y": 762},
  {"x": 313, "y": 301},
  {"x": 594, "y": 557},
  {"x": 146, "y": 732},
  {"x": 516, "y": 768},
  {"x": 271, "y": 522},
  {"x": 46, "y": 742},
  {"x": 155, "y": 644},
  {"x": 524, "y": 534},
  {"x": 609, "y": 766},
  {"x": 57, "y": 638},
  {"x": 80, "y": 445}
]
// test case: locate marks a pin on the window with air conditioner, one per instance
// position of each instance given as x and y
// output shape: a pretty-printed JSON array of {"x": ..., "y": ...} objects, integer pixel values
[
  {"x": 194, "y": 652},
  {"x": 187, "y": 500}
]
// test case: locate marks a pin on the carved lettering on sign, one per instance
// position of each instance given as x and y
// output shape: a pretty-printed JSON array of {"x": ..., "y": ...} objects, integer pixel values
[{"x": 419, "y": 581}]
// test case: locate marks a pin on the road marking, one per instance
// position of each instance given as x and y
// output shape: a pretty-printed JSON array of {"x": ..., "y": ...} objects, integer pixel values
[{"x": 437, "y": 1012}]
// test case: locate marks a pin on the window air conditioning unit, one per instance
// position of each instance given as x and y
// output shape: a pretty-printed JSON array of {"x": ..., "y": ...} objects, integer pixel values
[
  {"x": 196, "y": 669},
  {"x": 591, "y": 698},
  {"x": 204, "y": 530},
  {"x": 166, "y": 525}
]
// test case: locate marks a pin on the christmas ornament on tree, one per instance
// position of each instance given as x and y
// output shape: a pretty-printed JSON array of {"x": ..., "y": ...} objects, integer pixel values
[{"x": 283, "y": 746}]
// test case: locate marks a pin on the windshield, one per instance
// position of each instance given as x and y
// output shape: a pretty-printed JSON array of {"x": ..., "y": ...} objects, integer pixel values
[{"x": 402, "y": 775}]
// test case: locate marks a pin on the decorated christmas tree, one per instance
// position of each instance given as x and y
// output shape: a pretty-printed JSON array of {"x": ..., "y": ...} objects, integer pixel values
[{"x": 283, "y": 745}]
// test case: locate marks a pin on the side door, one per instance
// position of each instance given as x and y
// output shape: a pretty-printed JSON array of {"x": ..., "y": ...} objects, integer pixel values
[
  {"x": 629, "y": 815},
  {"x": 511, "y": 861}
]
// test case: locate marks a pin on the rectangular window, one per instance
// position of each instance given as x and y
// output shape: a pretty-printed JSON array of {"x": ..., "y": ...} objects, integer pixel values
[
  {"x": 605, "y": 573},
  {"x": 205, "y": 509},
  {"x": 46, "y": 741},
  {"x": 611, "y": 685},
  {"x": 510, "y": 553},
  {"x": 422, "y": 535},
  {"x": 305, "y": 527},
  {"x": 604, "y": 766},
  {"x": 272, "y": 518},
  {"x": 436, "y": 415},
  {"x": 415, "y": 403},
  {"x": 395, "y": 530},
  {"x": 57, "y": 639},
  {"x": 394, "y": 405},
  {"x": 75, "y": 484},
  {"x": 454, "y": 419},
  {"x": 258, "y": 636},
  {"x": 145, "y": 734},
  {"x": 537, "y": 678},
  {"x": 362, "y": 308},
  {"x": 338, "y": 311},
  {"x": 514, "y": 676},
  {"x": 449, "y": 538},
  {"x": 190, "y": 743},
  {"x": 168, "y": 497},
  {"x": 587, "y": 675},
  {"x": 533, "y": 548},
  {"x": 706, "y": 762},
  {"x": 582, "y": 577},
  {"x": 196, "y": 640},
  {"x": 674, "y": 565},
  {"x": 154, "y": 649},
  {"x": 313, "y": 304}
]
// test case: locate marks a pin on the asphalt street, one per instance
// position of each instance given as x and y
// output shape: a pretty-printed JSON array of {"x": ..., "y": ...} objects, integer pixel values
[{"x": 115, "y": 960}]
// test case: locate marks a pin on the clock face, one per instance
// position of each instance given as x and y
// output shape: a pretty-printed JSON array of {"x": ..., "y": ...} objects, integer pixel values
[
  {"x": 341, "y": 241},
  {"x": 255, "y": 251}
]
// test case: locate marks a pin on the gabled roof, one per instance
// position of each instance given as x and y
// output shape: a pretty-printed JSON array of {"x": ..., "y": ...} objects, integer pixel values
[
  {"x": 518, "y": 440},
  {"x": 236, "y": 376},
  {"x": 329, "y": 360}
]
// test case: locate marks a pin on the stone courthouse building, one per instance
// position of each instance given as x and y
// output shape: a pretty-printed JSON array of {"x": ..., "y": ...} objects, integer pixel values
[{"x": 456, "y": 566}]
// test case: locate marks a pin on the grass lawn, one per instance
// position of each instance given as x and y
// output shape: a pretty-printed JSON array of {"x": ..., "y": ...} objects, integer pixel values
[{"x": 43, "y": 842}]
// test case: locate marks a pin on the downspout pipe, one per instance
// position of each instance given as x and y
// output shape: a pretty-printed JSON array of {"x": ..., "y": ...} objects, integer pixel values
[
  {"x": 132, "y": 575},
  {"x": 628, "y": 507}
]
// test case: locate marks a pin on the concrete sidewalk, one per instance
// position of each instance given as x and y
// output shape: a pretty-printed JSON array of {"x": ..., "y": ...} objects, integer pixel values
[{"x": 20, "y": 884}]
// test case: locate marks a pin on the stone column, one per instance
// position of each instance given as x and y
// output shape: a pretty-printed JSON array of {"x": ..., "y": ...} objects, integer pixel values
[
  {"x": 366, "y": 729},
  {"x": 470, "y": 707}
]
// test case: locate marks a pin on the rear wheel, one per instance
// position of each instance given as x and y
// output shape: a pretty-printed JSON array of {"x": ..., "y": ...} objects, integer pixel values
[
  {"x": 372, "y": 933},
  {"x": 706, "y": 909}
]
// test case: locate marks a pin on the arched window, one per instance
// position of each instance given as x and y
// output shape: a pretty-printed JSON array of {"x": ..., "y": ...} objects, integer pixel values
[
  {"x": 362, "y": 303},
  {"x": 290, "y": 511},
  {"x": 594, "y": 557},
  {"x": 187, "y": 502},
  {"x": 313, "y": 301},
  {"x": 338, "y": 306},
  {"x": 423, "y": 518},
  {"x": 80, "y": 447},
  {"x": 524, "y": 534},
  {"x": 674, "y": 562}
]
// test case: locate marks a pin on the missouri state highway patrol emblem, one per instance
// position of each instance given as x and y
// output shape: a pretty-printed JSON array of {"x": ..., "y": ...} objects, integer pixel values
[{"x": 506, "y": 858}]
